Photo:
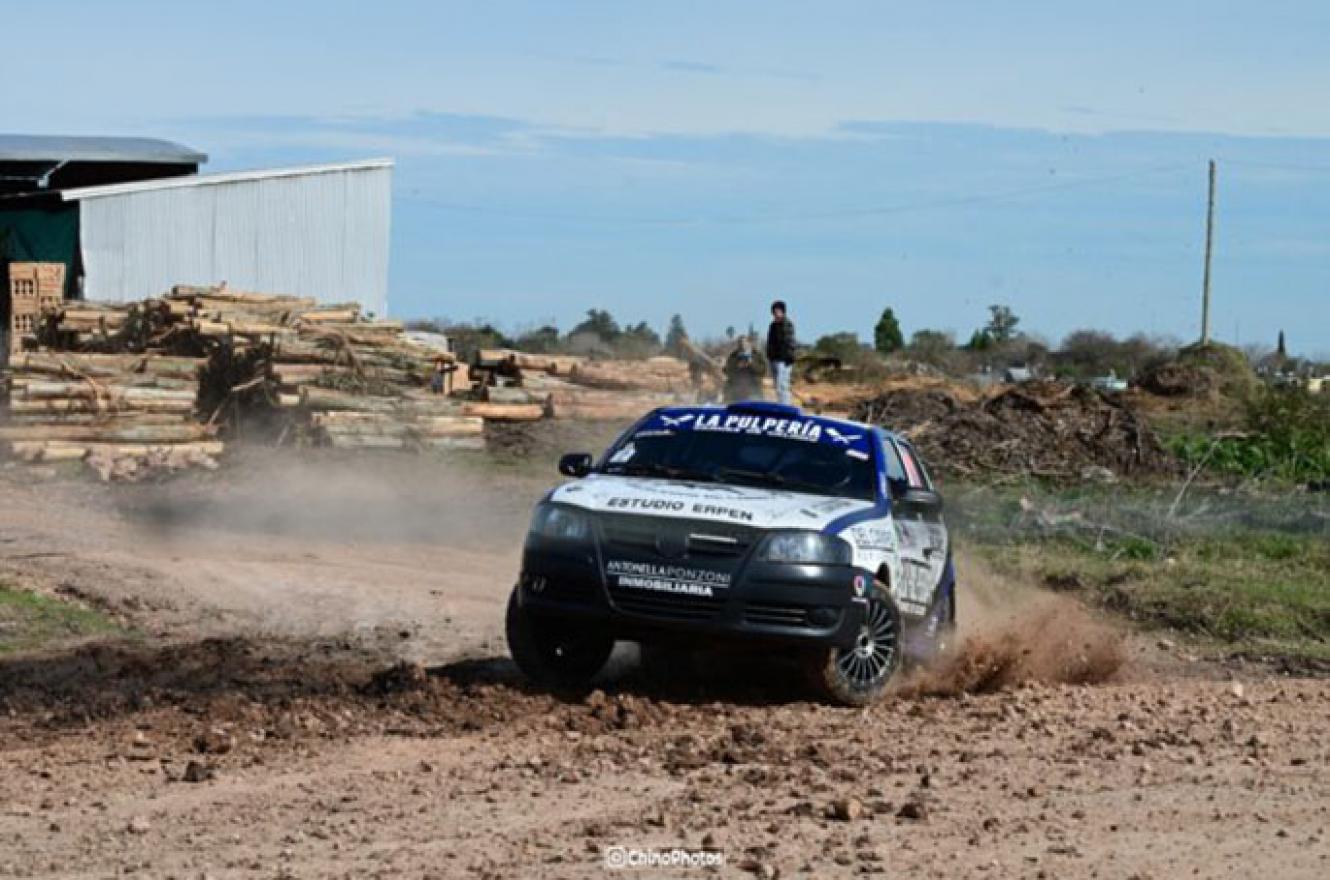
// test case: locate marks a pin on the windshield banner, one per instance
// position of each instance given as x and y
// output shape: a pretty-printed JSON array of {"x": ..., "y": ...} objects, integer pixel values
[{"x": 808, "y": 429}]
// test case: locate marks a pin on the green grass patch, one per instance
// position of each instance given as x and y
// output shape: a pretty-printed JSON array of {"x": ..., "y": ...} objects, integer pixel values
[
  {"x": 1246, "y": 573},
  {"x": 30, "y": 621},
  {"x": 1267, "y": 593}
]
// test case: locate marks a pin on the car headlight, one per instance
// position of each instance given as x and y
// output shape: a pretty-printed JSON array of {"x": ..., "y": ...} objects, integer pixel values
[
  {"x": 561, "y": 523},
  {"x": 806, "y": 547}
]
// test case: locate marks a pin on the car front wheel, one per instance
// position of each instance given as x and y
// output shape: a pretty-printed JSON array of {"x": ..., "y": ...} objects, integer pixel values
[
  {"x": 552, "y": 652},
  {"x": 859, "y": 675}
]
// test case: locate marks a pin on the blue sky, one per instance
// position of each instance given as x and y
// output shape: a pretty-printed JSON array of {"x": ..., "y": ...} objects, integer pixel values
[{"x": 704, "y": 157}]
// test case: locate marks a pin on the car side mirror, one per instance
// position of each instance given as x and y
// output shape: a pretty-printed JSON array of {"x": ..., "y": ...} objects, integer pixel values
[
  {"x": 575, "y": 464},
  {"x": 925, "y": 498}
]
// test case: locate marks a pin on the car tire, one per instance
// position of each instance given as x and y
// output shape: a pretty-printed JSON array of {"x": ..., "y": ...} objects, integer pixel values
[
  {"x": 555, "y": 653},
  {"x": 859, "y": 675}
]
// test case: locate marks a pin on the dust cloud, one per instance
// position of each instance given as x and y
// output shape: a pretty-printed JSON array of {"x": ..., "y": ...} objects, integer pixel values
[
  {"x": 463, "y": 501},
  {"x": 1011, "y": 634}
]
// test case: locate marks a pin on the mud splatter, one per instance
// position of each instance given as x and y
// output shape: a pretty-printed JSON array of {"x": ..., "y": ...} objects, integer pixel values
[{"x": 1061, "y": 644}]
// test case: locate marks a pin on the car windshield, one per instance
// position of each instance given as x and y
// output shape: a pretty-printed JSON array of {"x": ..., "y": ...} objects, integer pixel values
[{"x": 745, "y": 459}]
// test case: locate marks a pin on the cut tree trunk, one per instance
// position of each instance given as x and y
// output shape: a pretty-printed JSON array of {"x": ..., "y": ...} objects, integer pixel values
[
  {"x": 109, "y": 433},
  {"x": 505, "y": 412}
]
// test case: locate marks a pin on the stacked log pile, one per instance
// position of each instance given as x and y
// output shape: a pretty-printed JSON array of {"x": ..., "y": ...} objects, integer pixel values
[
  {"x": 141, "y": 386},
  {"x": 125, "y": 414},
  {"x": 665, "y": 375},
  {"x": 548, "y": 364},
  {"x": 576, "y": 402},
  {"x": 328, "y": 376},
  {"x": 136, "y": 387},
  {"x": 577, "y": 387},
  {"x": 614, "y": 390}
]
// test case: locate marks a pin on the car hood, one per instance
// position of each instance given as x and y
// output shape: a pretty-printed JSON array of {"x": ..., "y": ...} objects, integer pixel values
[{"x": 679, "y": 499}]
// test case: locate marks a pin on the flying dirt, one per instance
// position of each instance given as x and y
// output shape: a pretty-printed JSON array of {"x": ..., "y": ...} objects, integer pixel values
[{"x": 314, "y": 683}]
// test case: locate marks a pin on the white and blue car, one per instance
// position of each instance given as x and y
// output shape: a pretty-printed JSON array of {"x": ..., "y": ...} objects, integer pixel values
[{"x": 751, "y": 522}]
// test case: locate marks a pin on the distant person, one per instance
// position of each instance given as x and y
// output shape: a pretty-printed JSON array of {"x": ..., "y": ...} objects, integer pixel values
[
  {"x": 743, "y": 372},
  {"x": 437, "y": 379},
  {"x": 780, "y": 350}
]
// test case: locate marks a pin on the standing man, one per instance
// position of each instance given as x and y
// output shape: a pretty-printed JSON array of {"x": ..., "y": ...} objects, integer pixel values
[{"x": 780, "y": 350}]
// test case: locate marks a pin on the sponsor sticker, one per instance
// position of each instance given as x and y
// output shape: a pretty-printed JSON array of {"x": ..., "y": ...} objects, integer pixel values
[
  {"x": 675, "y": 579},
  {"x": 656, "y": 505},
  {"x": 771, "y": 426},
  {"x": 674, "y": 505}
]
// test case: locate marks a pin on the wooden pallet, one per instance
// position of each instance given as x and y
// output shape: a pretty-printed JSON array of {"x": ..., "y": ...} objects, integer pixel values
[{"x": 34, "y": 288}]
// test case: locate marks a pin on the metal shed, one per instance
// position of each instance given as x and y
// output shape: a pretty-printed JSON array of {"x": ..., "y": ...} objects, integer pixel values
[
  {"x": 32, "y": 163},
  {"x": 319, "y": 231}
]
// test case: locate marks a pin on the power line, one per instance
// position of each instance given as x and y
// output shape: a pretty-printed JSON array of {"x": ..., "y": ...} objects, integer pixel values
[
  {"x": 805, "y": 216},
  {"x": 1282, "y": 166}
]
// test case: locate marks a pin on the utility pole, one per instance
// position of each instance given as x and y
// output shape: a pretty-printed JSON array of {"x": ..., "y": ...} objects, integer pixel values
[{"x": 1209, "y": 250}]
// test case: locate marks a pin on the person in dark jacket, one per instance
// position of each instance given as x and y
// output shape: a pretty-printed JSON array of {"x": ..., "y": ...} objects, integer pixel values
[{"x": 780, "y": 350}]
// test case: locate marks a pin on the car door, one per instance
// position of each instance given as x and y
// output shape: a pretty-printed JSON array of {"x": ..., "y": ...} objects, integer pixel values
[{"x": 920, "y": 532}]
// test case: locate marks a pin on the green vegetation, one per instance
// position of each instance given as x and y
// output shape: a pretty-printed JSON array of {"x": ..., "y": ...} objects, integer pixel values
[
  {"x": 887, "y": 334},
  {"x": 675, "y": 335},
  {"x": 599, "y": 334},
  {"x": 1086, "y": 354},
  {"x": 29, "y": 621},
  {"x": 1249, "y": 575},
  {"x": 1285, "y": 438},
  {"x": 844, "y": 346},
  {"x": 1002, "y": 324}
]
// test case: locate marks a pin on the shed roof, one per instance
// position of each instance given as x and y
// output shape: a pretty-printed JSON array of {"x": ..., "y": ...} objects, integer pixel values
[
  {"x": 194, "y": 180},
  {"x": 68, "y": 148}
]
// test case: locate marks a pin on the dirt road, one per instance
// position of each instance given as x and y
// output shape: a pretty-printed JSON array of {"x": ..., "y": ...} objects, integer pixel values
[{"x": 250, "y": 730}]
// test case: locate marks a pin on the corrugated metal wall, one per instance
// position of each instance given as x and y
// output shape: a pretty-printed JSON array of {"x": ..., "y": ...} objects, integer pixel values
[{"x": 321, "y": 234}]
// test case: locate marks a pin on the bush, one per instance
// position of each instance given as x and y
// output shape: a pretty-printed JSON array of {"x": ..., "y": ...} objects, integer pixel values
[
  {"x": 467, "y": 339},
  {"x": 844, "y": 346},
  {"x": 542, "y": 340},
  {"x": 1286, "y": 438},
  {"x": 1233, "y": 373}
]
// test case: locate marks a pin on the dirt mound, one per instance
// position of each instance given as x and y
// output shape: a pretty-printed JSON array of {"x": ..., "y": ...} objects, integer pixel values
[
  {"x": 1042, "y": 429},
  {"x": 1060, "y": 644}
]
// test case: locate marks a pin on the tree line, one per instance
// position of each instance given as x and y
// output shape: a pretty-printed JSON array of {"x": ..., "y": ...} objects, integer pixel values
[{"x": 999, "y": 343}]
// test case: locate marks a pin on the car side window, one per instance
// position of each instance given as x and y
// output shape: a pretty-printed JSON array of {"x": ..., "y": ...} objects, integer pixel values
[
  {"x": 892, "y": 459},
  {"x": 914, "y": 468}
]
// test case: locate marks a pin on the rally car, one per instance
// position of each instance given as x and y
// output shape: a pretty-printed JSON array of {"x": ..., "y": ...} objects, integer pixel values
[{"x": 753, "y": 523}]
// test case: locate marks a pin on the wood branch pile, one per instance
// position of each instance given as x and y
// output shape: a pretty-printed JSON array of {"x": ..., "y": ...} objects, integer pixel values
[
  {"x": 1047, "y": 430},
  {"x": 126, "y": 415}
]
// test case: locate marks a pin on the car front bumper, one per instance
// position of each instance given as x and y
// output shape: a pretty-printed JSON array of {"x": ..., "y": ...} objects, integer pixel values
[{"x": 793, "y": 604}]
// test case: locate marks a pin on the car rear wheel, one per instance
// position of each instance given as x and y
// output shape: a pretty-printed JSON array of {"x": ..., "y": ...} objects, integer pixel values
[
  {"x": 555, "y": 653},
  {"x": 859, "y": 675}
]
